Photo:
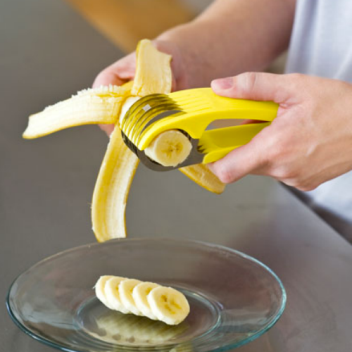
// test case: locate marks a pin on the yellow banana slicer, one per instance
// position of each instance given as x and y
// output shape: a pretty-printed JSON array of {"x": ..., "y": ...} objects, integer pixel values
[{"x": 191, "y": 111}]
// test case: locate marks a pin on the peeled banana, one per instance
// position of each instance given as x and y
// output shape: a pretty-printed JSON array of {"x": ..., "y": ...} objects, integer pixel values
[
  {"x": 125, "y": 107},
  {"x": 112, "y": 188},
  {"x": 147, "y": 299},
  {"x": 153, "y": 71},
  {"x": 89, "y": 106},
  {"x": 170, "y": 148}
]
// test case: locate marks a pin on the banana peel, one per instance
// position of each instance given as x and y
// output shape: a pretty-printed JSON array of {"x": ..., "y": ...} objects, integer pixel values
[
  {"x": 102, "y": 106},
  {"x": 153, "y": 71},
  {"x": 112, "y": 188},
  {"x": 201, "y": 175}
]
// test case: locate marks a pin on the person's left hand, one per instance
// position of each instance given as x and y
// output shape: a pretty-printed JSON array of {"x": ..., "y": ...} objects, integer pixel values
[
  {"x": 123, "y": 71},
  {"x": 309, "y": 142}
]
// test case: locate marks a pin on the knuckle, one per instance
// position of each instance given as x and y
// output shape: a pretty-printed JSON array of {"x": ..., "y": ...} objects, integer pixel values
[
  {"x": 296, "y": 78},
  {"x": 285, "y": 172},
  {"x": 224, "y": 175},
  {"x": 99, "y": 76},
  {"x": 301, "y": 184},
  {"x": 277, "y": 150},
  {"x": 306, "y": 188},
  {"x": 102, "y": 77},
  {"x": 296, "y": 81},
  {"x": 246, "y": 82}
]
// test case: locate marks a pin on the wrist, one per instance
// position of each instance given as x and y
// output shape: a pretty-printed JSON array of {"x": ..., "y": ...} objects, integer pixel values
[{"x": 188, "y": 53}]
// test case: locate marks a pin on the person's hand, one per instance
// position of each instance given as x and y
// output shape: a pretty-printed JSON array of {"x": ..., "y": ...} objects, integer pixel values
[
  {"x": 308, "y": 143},
  {"x": 123, "y": 71}
]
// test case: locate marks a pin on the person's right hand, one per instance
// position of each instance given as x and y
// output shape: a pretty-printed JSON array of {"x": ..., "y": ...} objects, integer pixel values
[
  {"x": 310, "y": 140},
  {"x": 123, "y": 71}
]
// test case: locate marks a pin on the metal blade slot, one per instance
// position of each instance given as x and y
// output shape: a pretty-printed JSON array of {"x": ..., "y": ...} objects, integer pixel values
[
  {"x": 149, "y": 117},
  {"x": 137, "y": 108}
]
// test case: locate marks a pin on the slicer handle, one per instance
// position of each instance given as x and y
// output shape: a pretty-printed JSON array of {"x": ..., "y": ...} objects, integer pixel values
[
  {"x": 220, "y": 108},
  {"x": 237, "y": 108},
  {"x": 205, "y": 107},
  {"x": 219, "y": 142}
]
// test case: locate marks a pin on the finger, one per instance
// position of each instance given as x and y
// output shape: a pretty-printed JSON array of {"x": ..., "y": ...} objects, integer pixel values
[
  {"x": 125, "y": 68},
  {"x": 255, "y": 86},
  {"x": 178, "y": 78},
  {"x": 107, "y": 78},
  {"x": 118, "y": 73},
  {"x": 108, "y": 129},
  {"x": 242, "y": 161}
]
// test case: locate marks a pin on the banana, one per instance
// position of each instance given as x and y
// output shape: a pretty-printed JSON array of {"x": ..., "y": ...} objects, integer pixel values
[
  {"x": 153, "y": 70},
  {"x": 100, "y": 290},
  {"x": 146, "y": 299},
  {"x": 169, "y": 148},
  {"x": 168, "y": 305},
  {"x": 113, "y": 294},
  {"x": 140, "y": 294},
  {"x": 108, "y": 105},
  {"x": 112, "y": 188},
  {"x": 125, "y": 107},
  {"x": 201, "y": 175},
  {"x": 126, "y": 288},
  {"x": 89, "y": 106}
]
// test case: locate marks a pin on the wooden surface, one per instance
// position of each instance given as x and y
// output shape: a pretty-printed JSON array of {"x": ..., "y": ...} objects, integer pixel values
[{"x": 125, "y": 22}]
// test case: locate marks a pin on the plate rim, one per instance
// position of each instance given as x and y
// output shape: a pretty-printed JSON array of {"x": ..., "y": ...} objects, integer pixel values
[{"x": 245, "y": 341}]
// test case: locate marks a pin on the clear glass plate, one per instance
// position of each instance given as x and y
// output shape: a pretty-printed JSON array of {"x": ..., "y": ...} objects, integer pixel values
[{"x": 233, "y": 297}]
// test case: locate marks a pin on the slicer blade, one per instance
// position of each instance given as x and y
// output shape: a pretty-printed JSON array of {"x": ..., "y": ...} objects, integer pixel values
[{"x": 195, "y": 156}]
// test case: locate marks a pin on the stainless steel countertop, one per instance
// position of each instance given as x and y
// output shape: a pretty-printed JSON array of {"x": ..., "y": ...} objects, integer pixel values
[{"x": 47, "y": 53}]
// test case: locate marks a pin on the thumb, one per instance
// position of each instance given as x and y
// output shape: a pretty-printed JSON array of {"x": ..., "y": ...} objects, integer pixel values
[
  {"x": 247, "y": 159},
  {"x": 251, "y": 158},
  {"x": 253, "y": 86},
  {"x": 118, "y": 73}
]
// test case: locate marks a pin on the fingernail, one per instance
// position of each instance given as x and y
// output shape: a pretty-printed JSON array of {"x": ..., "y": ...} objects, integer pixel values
[
  {"x": 222, "y": 83},
  {"x": 211, "y": 167}
]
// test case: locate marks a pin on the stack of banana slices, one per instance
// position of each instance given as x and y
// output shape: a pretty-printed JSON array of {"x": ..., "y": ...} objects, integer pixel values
[{"x": 130, "y": 296}]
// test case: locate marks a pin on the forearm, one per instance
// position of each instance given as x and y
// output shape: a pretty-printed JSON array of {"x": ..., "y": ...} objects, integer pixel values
[{"x": 231, "y": 37}]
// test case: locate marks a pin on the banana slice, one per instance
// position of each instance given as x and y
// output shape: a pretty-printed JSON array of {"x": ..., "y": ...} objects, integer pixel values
[
  {"x": 170, "y": 148},
  {"x": 140, "y": 295},
  {"x": 168, "y": 305},
  {"x": 100, "y": 290},
  {"x": 113, "y": 294},
  {"x": 125, "y": 289}
]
